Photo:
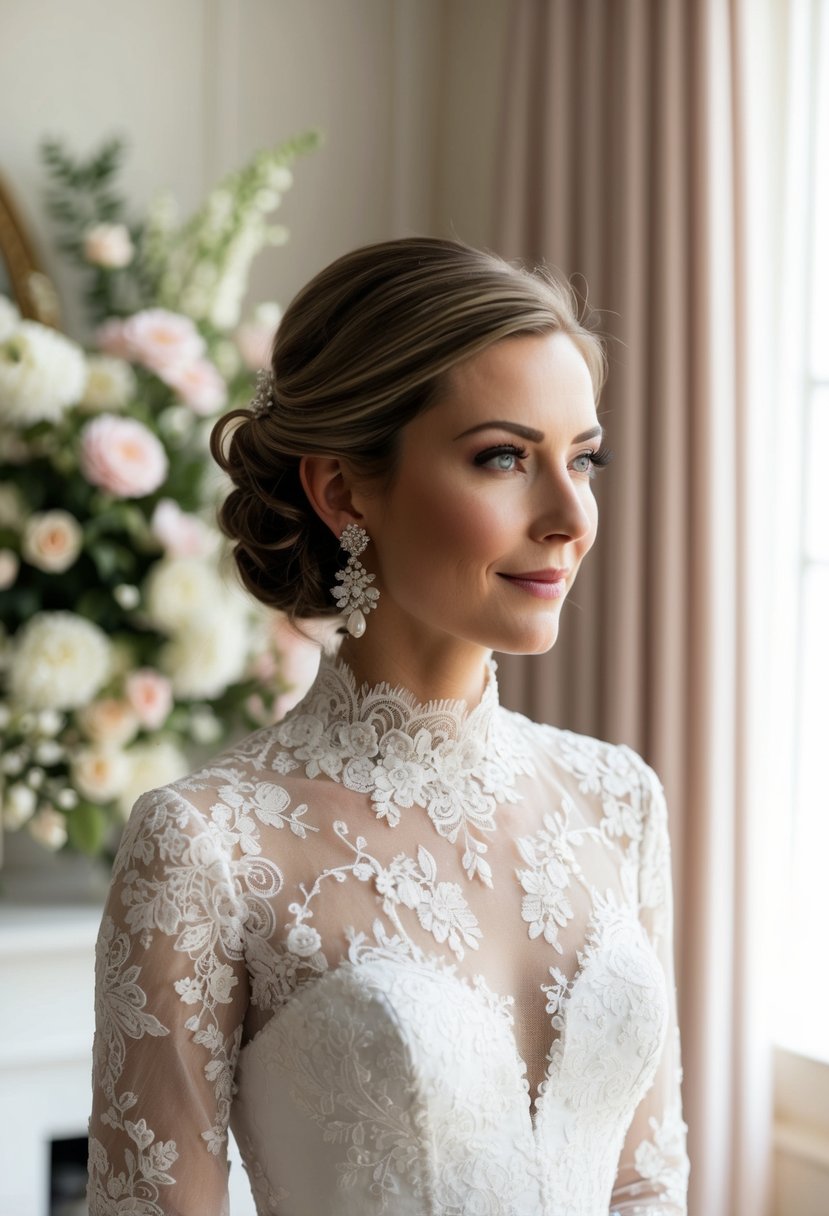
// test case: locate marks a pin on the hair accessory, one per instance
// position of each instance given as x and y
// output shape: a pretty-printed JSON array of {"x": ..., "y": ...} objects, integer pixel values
[
  {"x": 263, "y": 398},
  {"x": 355, "y": 596}
]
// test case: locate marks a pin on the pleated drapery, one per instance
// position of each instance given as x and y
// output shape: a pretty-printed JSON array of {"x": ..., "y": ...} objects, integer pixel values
[{"x": 622, "y": 163}]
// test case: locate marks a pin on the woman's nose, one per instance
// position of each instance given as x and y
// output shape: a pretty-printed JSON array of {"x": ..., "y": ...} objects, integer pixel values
[{"x": 564, "y": 511}]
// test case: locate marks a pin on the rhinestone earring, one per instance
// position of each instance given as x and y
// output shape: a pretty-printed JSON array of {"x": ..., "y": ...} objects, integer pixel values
[{"x": 354, "y": 595}]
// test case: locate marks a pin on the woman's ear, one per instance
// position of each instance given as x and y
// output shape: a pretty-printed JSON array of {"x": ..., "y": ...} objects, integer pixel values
[{"x": 327, "y": 484}]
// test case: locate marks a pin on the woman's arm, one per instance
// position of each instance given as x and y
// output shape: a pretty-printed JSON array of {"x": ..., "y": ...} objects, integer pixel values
[
  {"x": 170, "y": 997},
  {"x": 652, "y": 1178}
]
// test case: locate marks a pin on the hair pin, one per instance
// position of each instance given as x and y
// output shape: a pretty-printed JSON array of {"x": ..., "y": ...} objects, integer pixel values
[{"x": 263, "y": 398}]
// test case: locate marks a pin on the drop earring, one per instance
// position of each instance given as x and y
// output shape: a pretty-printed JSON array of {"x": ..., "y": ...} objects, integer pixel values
[{"x": 354, "y": 595}]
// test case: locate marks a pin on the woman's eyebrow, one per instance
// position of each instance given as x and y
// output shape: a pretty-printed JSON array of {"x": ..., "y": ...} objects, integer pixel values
[{"x": 526, "y": 432}]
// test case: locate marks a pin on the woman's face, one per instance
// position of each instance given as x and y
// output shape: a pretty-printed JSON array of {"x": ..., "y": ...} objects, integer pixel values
[{"x": 491, "y": 509}]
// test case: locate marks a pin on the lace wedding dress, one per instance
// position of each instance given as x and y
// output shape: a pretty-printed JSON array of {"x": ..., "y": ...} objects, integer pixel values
[{"x": 419, "y": 957}]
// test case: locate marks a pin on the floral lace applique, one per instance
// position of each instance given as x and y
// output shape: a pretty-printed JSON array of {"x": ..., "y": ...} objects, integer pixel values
[
  {"x": 552, "y": 860},
  {"x": 440, "y": 756}
]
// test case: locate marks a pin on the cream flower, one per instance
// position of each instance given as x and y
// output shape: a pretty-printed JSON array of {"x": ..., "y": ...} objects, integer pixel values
[
  {"x": 108, "y": 245},
  {"x": 150, "y": 766},
  {"x": 41, "y": 374},
  {"x": 59, "y": 661},
  {"x": 110, "y": 383},
  {"x": 150, "y": 695},
  {"x": 199, "y": 385},
  {"x": 48, "y": 828},
  {"x": 19, "y": 802},
  {"x": 122, "y": 456},
  {"x": 52, "y": 541},
  {"x": 208, "y": 656},
  {"x": 99, "y": 773},
  {"x": 9, "y": 566},
  {"x": 181, "y": 591},
  {"x": 111, "y": 722}
]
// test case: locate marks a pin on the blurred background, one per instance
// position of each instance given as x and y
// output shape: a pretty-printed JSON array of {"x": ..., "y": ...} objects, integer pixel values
[{"x": 671, "y": 157}]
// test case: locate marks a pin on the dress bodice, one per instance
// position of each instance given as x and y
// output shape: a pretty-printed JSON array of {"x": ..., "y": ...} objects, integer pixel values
[{"x": 417, "y": 956}]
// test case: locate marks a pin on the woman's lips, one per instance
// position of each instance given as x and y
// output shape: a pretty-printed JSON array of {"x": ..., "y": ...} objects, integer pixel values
[{"x": 544, "y": 584}]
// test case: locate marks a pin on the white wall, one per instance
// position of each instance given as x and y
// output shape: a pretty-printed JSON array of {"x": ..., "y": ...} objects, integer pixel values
[{"x": 405, "y": 91}]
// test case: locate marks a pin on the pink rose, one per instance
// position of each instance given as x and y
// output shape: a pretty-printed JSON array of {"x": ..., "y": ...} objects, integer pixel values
[
  {"x": 198, "y": 384},
  {"x": 181, "y": 534},
  {"x": 122, "y": 457},
  {"x": 158, "y": 339},
  {"x": 151, "y": 696},
  {"x": 108, "y": 245}
]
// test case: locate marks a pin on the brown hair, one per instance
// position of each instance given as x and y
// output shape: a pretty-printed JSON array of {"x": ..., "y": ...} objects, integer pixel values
[{"x": 361, "y": 350}]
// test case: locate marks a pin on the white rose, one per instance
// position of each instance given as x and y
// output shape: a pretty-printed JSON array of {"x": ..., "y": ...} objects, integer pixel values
[
  {"x": 181, "y": 592},
  {"x": 59, "y": 661},
  {"x": 108, "y": 245},
  {"x": 150, "y": 765},
  {"x": 49, "y": 828},
  {"x": 52, "y": 541},
  {"x": 303, "y": 941},
  {"x": 41, "y": 373},
  {"x": 202, "y": 660},
  {"x": 110, "y": 383},
  {"x": 9, "y": 566},
  {"x": 100, "y": 773},
  {"x": 9, "y": 317},
  {"x": 19, "y": 802}
]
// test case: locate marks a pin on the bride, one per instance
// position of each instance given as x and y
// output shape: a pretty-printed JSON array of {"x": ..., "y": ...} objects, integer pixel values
[{"x": 414, "y": 949}]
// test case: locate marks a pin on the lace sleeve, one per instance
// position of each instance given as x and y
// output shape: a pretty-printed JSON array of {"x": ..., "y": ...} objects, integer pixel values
[
  {"x": 652, "y": 1178},
  {"x": 170, "y": 997}
]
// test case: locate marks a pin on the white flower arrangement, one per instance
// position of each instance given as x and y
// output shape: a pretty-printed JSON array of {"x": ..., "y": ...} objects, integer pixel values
[{"x": 125, "y": 638}]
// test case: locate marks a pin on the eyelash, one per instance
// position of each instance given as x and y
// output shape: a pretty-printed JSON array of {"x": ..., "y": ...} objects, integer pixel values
[{"x": 598, "y": 458}]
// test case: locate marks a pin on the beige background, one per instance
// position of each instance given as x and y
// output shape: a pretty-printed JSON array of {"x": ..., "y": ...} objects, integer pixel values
[{"x": 405, "y": 91}]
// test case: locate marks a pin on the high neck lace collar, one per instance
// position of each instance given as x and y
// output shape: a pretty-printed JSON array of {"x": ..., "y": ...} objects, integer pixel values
[
  {"x": 337, "y": 695},
  {"x": 455, "y": 762}
]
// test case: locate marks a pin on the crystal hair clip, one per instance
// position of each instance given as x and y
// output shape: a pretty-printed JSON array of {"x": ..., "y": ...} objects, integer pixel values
[{"x": 263, "y": 398}]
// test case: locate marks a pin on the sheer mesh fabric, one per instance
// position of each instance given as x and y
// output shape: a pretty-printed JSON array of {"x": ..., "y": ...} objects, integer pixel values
[{"x": 420, "y": 959}]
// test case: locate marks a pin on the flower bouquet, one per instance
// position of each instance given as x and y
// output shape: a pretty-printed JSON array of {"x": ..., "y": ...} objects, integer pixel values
[{"x": 125, "y": 637}]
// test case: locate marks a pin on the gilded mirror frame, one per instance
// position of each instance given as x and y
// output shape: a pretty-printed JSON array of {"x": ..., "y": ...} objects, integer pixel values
[{"x": 32, "y": 290}]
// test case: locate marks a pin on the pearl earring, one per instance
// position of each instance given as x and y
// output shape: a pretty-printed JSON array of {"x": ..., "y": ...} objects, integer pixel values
[{"x": 354, "y": 595}]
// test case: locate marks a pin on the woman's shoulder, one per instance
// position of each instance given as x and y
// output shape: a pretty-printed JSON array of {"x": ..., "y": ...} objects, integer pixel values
[{"x": 598, "y": 765}]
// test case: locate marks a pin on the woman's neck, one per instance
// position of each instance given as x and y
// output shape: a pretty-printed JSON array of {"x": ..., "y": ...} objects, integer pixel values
[{"x": 446, "y": 669}]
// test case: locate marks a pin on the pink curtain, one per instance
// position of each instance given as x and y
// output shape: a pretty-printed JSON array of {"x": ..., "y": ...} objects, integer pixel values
[{"x": 623, "y": 161}]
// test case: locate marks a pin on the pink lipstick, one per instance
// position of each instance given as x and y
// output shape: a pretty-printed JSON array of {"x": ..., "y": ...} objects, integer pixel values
[{"x": 547, "y": 584}]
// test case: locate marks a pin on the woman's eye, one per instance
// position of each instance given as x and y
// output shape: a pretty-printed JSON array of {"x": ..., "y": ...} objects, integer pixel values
[
  {"x": 584, "y": 463},
  {"x": 504, "y": 459}
]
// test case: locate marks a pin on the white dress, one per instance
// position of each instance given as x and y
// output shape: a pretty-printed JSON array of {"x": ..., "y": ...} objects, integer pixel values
[{"x": 418, "y": 957}]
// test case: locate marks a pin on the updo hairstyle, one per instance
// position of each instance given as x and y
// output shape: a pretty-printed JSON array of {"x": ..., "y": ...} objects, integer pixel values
[{"x": 362, "y": 350}]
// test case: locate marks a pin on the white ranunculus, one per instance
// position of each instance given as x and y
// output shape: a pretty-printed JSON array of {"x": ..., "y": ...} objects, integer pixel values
[
  {"x": 181, "y": 592},
  {"x": 202, "y": 660},
  {"x": 59, "y": 661},
  {"x": 41, "y": 373},
  {"x": 150, "y": 765},
  {"x": 110, "y": 383},
  {"x": 100, "y": 773},
  {"x": 9, "y": 317},
  {"x": 52, "y": 541}
]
